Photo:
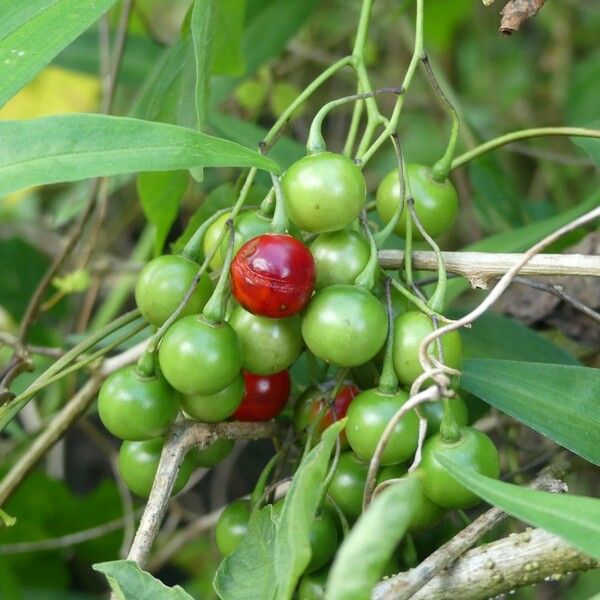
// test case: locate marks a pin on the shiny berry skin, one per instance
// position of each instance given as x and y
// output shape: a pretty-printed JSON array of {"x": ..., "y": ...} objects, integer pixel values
[
  {"x": 137, "y": 407},
  {"x": 368, "y": 416},
  {"x": 268, "y": 345},
  {"x": 323, "y": 541},
  {"x": 344, "y": 325},
  {"x": 323, "y": 192},
  {"x": 211, "y": 237},
  {"x": 273, "y": 275},
  {"x": 473, "y": 450},
  {"x": 198, "y": 357},
  {"x": 410, "y": 329},
  {"x": 348, "y": 484},
  {"x": 212, "y": 455},
  {"x": 138, "y": 463},
  {"x": 216, "y": 407},
  {"x": 436, "y": 204},
  {"x": 312, "y": 405},
  {"x": 162, "y": 284},
  {"x": 265, "y": 396},
  {"x": 340, "y": 256},
  {"x": 232, "y": 526},
  {"x": 433, "y": 412}
]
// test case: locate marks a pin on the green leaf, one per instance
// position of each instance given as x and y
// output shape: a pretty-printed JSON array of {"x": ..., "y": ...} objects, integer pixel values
[
  {"x": 495, "y": 336},
  {"x": 272, "y": 557},
  {"x": 202, "y": 28},
  {"x": 558, "y": 401},
  {"x": 363, "y": 555},
  {"x": 576, "y": 519},
  {"x": 228, "y": 58},
  {"x": 129, "y": 582},
  {"x": 292, "y": 541},
  {"x": 249, "y": 572},
  {"x": 35, "y": 32},
  {"x": 160, "y": 194},
  {"x": 520, "y": 239},
  {"x": 75, "y": 147}
]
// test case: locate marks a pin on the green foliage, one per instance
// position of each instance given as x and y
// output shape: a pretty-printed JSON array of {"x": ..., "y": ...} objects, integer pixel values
[
  {"x": 559, "y": 401},
  {"x": 31, "y": 37},
  {"x": 576, "y": 519},
  {"x": 362, "y": 557},
  {"x": 129, "y": 582},
  {"x": 97, "y": 145},
  {"x": 270, "y": 560}
]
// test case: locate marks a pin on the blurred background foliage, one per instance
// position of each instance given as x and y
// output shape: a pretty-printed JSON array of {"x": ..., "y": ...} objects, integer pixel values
[{"x": 265, "y": 52}]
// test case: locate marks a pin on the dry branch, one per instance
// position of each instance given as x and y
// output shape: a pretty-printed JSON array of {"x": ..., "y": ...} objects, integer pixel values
[
  {"x": 480, "y": 268},
  {"x": 512, "y": 562},
  {"x": 516, "y": 12}
]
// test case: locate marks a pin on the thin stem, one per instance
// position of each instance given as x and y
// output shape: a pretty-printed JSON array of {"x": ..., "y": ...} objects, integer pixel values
[
  {"x": 280, "y": 222},
  {"x": 522, "y": 134},
  {"x": 420, "y": 304},
  {"x": 388, "y": 382},
  {"x": 442, "y": 166},
  {"x": 353, "y": 129},
  {"x": 392, "y": 124},
  {"x": 368, "y": 276}
]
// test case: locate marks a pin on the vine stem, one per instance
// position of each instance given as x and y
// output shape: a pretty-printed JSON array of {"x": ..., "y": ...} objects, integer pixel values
[{"x": 522, "y": 134}]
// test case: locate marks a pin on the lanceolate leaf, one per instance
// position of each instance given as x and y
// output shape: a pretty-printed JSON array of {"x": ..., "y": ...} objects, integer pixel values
[
  {"x": 74, "y": 147},
  {"x": 292, "y": 542},
  {"x": 33, "y": 32},
  {"x": 364, "y": 553},
  {"x": 559, "y": 401},
  {"x": 576, "y": 519},
  {"x": 270, "y": 560},
  {"x": 129, "y": 582}
]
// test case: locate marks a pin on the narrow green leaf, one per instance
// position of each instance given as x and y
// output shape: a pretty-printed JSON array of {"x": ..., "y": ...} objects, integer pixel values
[
  {"x": 521, "y": 238},
  {"x": 292, "y": 541},
  {"x": 75, "y": 147},
  {"x": 576, "y": 519},
  {"x": 363, "y": 555},
  {"x": 160, "y": 193},
  {"x": 558, "y": 401},
  {"x": 495, "y": 336},
  {"x": 37, "y": 33},
  {"x": 129, "y": 582},
  {"x": 202, "y": 28},
  {"x": 228, "y": 58}
]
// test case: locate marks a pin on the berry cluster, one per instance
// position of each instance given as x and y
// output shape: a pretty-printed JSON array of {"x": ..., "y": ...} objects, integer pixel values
[{"x": 230, "y": 358}]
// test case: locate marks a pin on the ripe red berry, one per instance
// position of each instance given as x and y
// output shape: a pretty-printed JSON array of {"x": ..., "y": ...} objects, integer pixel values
[
  {"x": 265, "y": 396},
  {"x": 273, "y": 275}
]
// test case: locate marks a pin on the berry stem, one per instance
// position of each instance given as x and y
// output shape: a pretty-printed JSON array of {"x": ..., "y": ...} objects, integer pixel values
[
  {"x": 368, "y": 276},
  {"x": 280, "y": 222},
  {"x": 388, "y": 382},
  {"x": 214, "y": 310}
]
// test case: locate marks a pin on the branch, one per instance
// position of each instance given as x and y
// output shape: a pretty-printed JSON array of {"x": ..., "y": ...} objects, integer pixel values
[
  {"x": 516, "y": 12},
  {"x": 405, "y": 585},
  {"x": 183, "y": 436},
  {"x": 482, "y": 267},
  {"x": 512, "y": 562}
]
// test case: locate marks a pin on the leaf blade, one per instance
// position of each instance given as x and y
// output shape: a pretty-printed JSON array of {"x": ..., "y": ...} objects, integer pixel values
[
  {"x": 36, "y": 35},
  {"x": 364, "y": 553},
  {"x": 558, "y": 401},
  {"x": 576, "y": 519},
  {"x": 74, "y": 147}
]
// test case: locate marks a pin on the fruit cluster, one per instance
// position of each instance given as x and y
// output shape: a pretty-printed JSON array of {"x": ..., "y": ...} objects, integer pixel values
[{"x": 229, "y": 358}]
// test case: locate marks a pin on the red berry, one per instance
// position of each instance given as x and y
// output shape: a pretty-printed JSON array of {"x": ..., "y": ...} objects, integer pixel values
[
  {"x": 265, "y": 396},
  {"x": 273, "y": 275},
  {"x": 340, "y": 406}
]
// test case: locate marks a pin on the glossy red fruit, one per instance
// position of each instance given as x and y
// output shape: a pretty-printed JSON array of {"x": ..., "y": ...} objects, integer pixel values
[
  {"x": 273, "y": 275},
  {"x": 265, "y": 396}
]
